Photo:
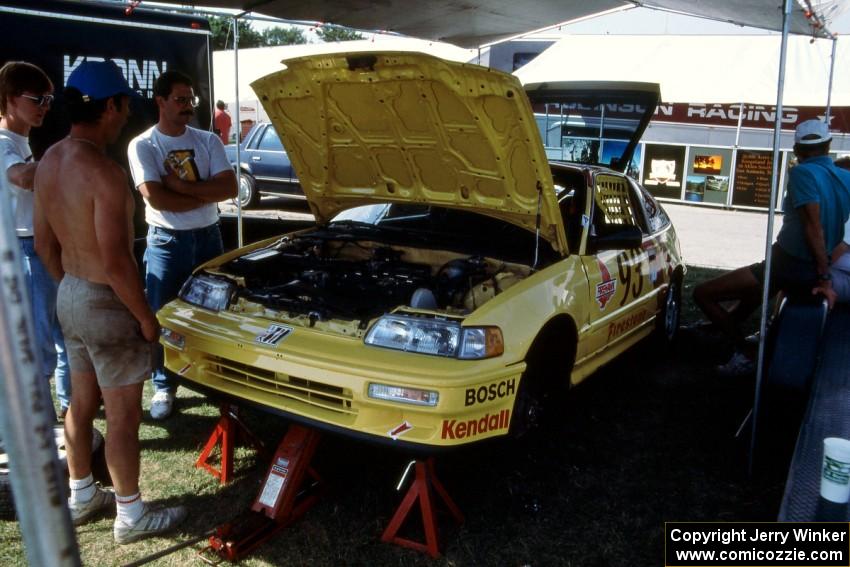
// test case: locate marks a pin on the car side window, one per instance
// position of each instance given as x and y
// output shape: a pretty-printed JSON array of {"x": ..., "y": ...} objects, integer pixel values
[
  {"x": 571, "y": 192},
  {"x": 613, "y": 207},
  {"x": 656, "y": 218},
  {"x": 270, "y": 141}
]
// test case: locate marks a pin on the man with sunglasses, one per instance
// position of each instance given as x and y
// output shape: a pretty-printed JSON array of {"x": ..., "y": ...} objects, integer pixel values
[
  {"x": 25, "y": 97},
  {"x": 182, "y": 172}
]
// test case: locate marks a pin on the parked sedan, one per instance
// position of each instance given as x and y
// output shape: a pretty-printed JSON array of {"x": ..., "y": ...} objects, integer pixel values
[
  {"x": 456, "y": 279},
  {"x": 265, "y": 166}
]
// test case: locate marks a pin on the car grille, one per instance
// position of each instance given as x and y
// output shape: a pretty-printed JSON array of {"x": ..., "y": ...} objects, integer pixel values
[{"x": 292, "y": 388}]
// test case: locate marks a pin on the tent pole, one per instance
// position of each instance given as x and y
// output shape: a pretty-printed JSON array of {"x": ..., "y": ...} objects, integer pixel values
[
  {"x": 829, "y": 89},
  {"x": 27, "y": 416},
  {"x": 765, "y": 296},
  {"x": 238, "y": 130},
  {"x": 740, "y": 123}
]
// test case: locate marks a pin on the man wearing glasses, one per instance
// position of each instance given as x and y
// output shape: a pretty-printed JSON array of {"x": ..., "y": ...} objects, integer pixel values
[
  {"x": 25, "y": 98},
  {"x": 182, "y": 172}
]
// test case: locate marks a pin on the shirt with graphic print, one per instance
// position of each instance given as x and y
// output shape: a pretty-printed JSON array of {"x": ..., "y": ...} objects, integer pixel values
[{"x": 195, "y": 155}]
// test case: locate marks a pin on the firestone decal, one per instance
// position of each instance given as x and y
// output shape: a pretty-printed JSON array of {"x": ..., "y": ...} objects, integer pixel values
[
  {"x": 454, "y": 429},
  {"x": 617, "y": 328},
  {"x": 607, "y": 288},
  {"x": 399, "y": 430},
  {"x": 489, "y": 393}
]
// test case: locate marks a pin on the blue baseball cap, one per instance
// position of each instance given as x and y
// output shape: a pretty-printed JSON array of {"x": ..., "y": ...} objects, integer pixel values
[{"x": 97, "y": 80}]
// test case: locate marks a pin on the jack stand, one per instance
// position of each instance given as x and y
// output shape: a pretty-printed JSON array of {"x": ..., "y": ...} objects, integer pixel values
[
  {"x": 283, "y": 499},
  {"x": 426, "y": 480},
  {"x": 226, "y": 431}
]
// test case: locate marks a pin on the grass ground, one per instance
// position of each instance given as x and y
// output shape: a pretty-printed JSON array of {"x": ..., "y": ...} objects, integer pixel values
[{"x": 648, "y": 439}]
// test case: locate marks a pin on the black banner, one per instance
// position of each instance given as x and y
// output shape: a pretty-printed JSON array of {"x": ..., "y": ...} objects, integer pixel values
[{"x": 743, "y": 544}]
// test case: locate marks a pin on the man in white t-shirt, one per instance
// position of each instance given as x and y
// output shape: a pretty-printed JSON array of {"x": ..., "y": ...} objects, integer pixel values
[
  {"x": 181, "y": 172},
  {"x": 25, "y": 97}
]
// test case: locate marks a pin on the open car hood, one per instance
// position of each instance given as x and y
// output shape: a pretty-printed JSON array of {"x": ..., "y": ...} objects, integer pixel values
[
  {"x": 593, "y": 122},
  {"x": 362, "y": 128}
]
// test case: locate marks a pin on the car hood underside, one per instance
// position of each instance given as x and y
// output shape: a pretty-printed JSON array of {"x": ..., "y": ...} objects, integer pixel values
[{"x": 408, "y": 127}]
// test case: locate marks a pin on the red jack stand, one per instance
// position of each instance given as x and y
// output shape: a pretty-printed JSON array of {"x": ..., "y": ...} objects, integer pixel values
[
  {"x": 227, "y": 431},
  {"x": 283, "y": 499},
  {"x": 426, "y": 480}
]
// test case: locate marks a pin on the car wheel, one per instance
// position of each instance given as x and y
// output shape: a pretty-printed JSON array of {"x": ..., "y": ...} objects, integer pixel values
[
  {"x": 248, "y": 194},
  {"x": 7, "y": 504},
  {"x": 667, "y": 327},
  {"x": 546, "y": 380}
]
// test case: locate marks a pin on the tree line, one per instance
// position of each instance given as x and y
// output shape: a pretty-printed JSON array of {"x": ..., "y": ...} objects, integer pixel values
[{"x": 222, "y": 34}]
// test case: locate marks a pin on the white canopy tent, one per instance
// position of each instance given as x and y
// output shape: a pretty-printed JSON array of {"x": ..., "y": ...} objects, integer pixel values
[
  {"x": 258, "y": 62},
  {"x": 693, "y": 68}
]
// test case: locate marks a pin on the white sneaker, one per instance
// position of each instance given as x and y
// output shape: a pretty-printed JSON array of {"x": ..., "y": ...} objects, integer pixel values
[
  {"x": 161, "y": 404},
  {"x": 82, "y": 512},
  {"x": 738, "y": 365},
  {"x": 152, "y": 522}
]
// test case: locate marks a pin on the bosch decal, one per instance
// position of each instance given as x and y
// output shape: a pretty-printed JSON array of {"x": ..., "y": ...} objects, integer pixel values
[
  {"x": 489, "y": 393},
  {"x": 454, "y": 429},
  {"x": 606, "y": 289},
  {"x": 274, "y": 334},
  {"x": 399, "y": 430}
]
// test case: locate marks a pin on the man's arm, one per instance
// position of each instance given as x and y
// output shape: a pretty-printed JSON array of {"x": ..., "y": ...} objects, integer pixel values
[
  {"x": 810, "y": 217},
  {"x": 163, "y": 199},
  {"x": 113, "y": 241},
  {"x": 217, "y": 188},
  {"x": 46, "y": 244},
  {"x": 23, "y": 175},
  {"x": 840, "y": 251}
]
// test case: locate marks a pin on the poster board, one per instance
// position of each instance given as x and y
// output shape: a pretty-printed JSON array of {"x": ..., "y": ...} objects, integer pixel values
[
  {"x": 663, "y": 170},
  {"x": 753, "y": 173}
]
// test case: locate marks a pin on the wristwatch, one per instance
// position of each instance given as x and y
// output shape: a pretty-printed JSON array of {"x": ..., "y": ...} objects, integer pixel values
[{"x": 825, "y": 277}]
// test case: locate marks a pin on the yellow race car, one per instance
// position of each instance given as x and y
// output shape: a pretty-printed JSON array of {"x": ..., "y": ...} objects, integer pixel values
[{"x": 456, "y": 276}]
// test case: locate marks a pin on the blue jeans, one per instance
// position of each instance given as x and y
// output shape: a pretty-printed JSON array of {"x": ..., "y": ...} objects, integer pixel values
[
  {"x": 48, "y": 334},
  {"x": 170, "y": 257}
]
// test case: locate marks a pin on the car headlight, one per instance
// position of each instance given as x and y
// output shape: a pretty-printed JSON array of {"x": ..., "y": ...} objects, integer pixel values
[
  {"x": 415, "y": 396},
  {"x": 436, "y": 337},
  {"x": 207, "y": 292}
]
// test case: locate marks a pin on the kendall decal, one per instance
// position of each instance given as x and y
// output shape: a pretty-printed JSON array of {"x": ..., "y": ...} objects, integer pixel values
[
  {"x": 489, "y": 393},
  {"x": 454, "y": 429}
]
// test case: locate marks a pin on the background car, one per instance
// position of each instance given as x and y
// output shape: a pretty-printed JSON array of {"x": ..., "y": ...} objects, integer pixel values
[{"x": 265, "y": 166}]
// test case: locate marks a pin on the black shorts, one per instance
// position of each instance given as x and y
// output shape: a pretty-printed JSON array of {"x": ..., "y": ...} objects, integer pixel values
[{"x": 788, "y": 273}]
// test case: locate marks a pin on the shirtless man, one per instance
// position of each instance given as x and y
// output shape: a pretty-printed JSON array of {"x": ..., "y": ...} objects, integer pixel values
[{"x": 84, "y": 235}]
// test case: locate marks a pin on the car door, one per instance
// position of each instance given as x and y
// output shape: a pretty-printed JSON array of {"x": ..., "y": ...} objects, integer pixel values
[
  {"x": 271, "y": 166},
  {"x": 617, "y": 273}
]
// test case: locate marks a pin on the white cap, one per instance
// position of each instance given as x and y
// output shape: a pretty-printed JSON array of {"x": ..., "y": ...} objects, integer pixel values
[{"x": 812, "y": 132}]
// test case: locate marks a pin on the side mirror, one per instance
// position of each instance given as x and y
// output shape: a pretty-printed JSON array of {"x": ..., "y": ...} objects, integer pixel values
[{"x": 623, "y": 238}]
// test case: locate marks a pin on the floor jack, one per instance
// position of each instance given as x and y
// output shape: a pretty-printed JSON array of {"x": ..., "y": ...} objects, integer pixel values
[
  {"x": 425, "y": 483},
  {"x": 228, "y": 431},
  {"x": 283, "y": 499}
]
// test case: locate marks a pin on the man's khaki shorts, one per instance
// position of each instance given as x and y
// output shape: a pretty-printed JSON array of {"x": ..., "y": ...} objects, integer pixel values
[{"x": 101, "y": 335}]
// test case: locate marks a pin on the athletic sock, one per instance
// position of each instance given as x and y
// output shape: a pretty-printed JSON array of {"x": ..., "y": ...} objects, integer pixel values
[
  {"x": 82, "y": 490},
  {"x": 130, "y": 508}
]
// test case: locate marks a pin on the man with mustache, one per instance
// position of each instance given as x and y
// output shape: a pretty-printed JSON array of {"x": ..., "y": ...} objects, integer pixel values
[{"x": 182, "y": 172}]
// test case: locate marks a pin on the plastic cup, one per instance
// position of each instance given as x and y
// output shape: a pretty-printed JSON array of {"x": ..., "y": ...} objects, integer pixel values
[{"x": 835, "y": 474}]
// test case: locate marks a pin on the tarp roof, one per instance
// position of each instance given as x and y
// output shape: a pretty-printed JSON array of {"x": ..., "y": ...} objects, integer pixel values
[
  {"x": 471, "y": 23},
  {"x": 709, "y": 69}
]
